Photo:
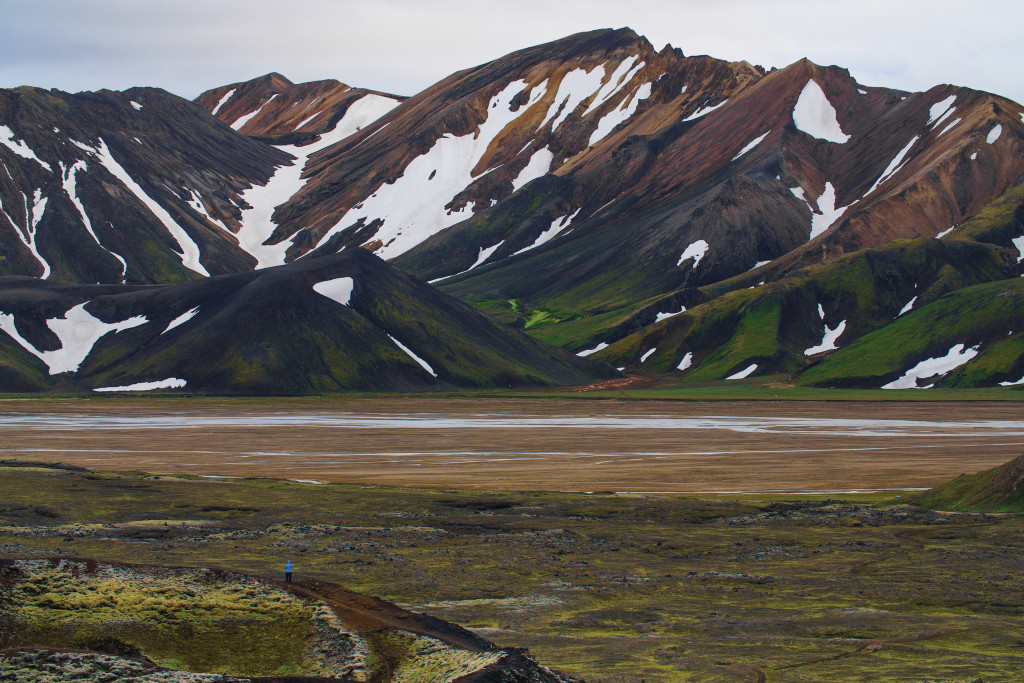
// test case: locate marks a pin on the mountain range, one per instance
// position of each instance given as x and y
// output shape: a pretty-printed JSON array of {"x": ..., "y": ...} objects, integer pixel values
[{"x": 659, "y": 213}]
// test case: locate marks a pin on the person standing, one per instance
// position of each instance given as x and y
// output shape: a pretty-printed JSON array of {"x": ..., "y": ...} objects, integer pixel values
[{"x": 288, "y": 571}]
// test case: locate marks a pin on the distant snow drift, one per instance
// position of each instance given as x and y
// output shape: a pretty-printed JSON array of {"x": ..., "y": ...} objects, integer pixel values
[{"x": 931, "y": 367}]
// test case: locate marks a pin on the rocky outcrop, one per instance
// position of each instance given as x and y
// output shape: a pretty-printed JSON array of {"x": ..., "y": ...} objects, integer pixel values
[{"x": 75, "y": 619}]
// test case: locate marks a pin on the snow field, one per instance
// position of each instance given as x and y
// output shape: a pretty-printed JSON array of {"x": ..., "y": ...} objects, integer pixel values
[
  {"x": 169, "y": 383},
  {"x": 750, "y": 145},
  {"x": 257, "y": 222},
  {"x": 994, "y": 134},
  {"x": 338, "y": 289},
  {"x": 20, "y": 148},
  {"x": 78, "y": 332},
  {"x": 745, "y": 372},
  {"x": 413, "y": 207},
  {"x": 931, "y": 367},
  {"x": 686, "y": 362},
  {"x": 696, "y": 251},
  {"x": 181, "y": 319},
  {"x": 815, "y": 115}
]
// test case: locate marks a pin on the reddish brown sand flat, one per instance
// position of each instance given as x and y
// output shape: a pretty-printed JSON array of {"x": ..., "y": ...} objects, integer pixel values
[{"x": 651, "y": 446}]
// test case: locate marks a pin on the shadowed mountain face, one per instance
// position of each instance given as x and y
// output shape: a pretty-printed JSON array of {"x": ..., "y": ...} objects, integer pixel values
[
  {"x": 583, "y": 190},
  {"x": 346, "y": 321}
]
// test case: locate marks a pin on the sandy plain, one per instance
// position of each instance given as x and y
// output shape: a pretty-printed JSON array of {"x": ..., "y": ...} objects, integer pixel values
[{"x": 669, "y": 447}]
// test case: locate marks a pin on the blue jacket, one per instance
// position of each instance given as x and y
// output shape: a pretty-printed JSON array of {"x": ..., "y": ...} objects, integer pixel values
[{"x": 288, "y": 566}]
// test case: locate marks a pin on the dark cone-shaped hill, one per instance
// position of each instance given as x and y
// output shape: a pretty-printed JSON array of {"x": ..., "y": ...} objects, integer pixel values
[
  {"x": 348, "y": 321},
  {"x": 1000, "y": 489}
]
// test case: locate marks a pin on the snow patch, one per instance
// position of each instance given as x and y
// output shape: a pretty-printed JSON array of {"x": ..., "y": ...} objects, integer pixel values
[
  {"x": 257, "y": 222},
  {"x": 70, "y": 176},
  {"x": 1019, "y": 243},
  {"x": 618, "y": 116},
  {"x": 557, "y": 227},
  {"x": 907, "y": 307},
  {"x": 622, "y": 75},
  {"x": 821, "y": 312},
  {"x": 974, "y": 156},
  {"x": 745, "y": 372},
  {"x": 241, "y": 121},
  {"x": 33, "y": 214},
  {"x": 136, "y": 105},
  {"x": 78, "y": 332},
  {"x": 1012, "y": 384},
  {"x": 665, "y": 316},
  {"x": 862, "y": 92},
  {"x": 20, "y": 148},
  {"x": 815, "y": 115},
  {"x": 169, "y": 383},
  {"x": 940, "y": 109},
  {"x": 485, "y": 253},
  {"x": 413, "y": 207},
  {"x": 423, "y": 363},
  {"x": 304, "y": 121},
  {"x": 894, "y": 166},
  {"x": 931, "y": 367},
  {"x": 945, "y": 232},
  {"x": 227, "y": 96},
  {"x": 824, "y": 212},
  {"x": 647, "y": 355},
  {"x": 760, "y": 263},
  {"x": 181, "y": 319},
  {"x": 955, "y": 121},
  {"x": 597, "y": 348},
  {"x": 576, "y": 86},
  {"x": 189, "y": 253},
  {"x": 538, "y": 165},
  {"x": 703, "y": 111},
  {"x": 696, "y": 251},
  {"x": 828, "y": 341},
  {"x": 750, "y": 145},
  {"x": 686, "y": 362},
  {"x": 338, "y": 289},
  {"x": 994, "y": 134}
]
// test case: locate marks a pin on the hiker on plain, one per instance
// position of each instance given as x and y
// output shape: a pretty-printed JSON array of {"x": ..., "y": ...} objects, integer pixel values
[{"x": 288, "y": 571}]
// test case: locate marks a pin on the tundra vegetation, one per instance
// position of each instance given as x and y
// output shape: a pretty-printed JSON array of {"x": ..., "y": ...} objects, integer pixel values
[{"x": 602, "y": 586}]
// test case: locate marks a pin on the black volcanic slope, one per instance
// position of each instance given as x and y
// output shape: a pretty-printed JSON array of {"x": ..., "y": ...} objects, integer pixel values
[{"x": 270, "y": 332}]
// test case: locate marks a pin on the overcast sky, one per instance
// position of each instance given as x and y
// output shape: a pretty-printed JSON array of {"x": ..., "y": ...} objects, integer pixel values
[{"x": 402, "y": 46}]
